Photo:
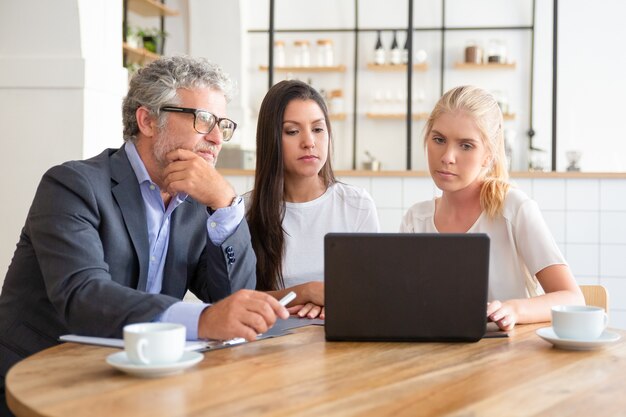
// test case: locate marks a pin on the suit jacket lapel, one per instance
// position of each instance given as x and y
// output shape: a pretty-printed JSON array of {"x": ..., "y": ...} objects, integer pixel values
[{"x": 126, "y": 192}]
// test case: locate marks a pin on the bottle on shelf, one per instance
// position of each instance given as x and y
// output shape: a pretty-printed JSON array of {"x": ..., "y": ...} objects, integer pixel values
[
  {"x": 419, "y": 101},
  {"x": 405, "y": 51},
  {"x": 325, "y": 53},
  {"x": 376, "y": 103},
  {"x": 395, "y": 56},
  {"x": 302, "y": 56},
  {"x": 379, "y": 51},
  {"x": 279, "y": 53}
]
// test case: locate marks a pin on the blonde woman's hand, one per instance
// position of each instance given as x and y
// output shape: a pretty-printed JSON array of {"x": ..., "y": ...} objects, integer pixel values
[{"x": 503, "y": 314}]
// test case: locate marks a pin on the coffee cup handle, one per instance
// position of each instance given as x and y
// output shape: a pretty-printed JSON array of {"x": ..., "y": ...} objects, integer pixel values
[
  {"x": 141, "y": 344},
  {"x": 606, "y": 320}
]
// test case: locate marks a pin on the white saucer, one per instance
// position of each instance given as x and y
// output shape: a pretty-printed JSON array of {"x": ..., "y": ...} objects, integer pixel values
[
  {"x": 120, "y": 361},
  {"x": 607, "y": 337}
]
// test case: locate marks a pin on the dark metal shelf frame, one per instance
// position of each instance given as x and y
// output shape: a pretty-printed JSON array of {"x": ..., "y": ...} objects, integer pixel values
[{"x": 410, "y": 29}]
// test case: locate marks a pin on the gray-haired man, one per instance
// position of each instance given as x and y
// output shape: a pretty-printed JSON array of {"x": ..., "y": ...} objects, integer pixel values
[{"x": 119, "y": 238}]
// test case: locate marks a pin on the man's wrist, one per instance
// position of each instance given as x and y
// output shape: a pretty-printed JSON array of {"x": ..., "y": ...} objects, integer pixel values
[{"x": 228, "y": 203}]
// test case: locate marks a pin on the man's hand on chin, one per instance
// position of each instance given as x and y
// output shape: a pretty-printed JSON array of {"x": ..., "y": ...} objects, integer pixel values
[{"x": 188, "y": 172}]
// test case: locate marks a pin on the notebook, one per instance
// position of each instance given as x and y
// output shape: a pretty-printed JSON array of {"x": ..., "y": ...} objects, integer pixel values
[{"x": 406, "y": 287}]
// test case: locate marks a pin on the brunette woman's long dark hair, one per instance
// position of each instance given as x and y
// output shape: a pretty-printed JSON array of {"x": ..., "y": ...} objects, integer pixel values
[{"x": 267, "y": 204}]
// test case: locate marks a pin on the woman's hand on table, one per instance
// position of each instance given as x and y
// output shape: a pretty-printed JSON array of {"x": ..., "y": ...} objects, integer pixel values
[
  {"x": 308, "y": 310},
  {"x": 503, "y": 314}
]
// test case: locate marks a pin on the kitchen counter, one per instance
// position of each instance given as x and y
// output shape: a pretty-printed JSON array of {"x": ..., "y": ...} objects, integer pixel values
[{"x": 519, "y": 174}]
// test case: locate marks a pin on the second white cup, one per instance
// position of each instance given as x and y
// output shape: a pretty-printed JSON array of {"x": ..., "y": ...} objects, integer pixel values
[
  {"x": 154, "y": 343},
  {"x": 579, "y": 322}
]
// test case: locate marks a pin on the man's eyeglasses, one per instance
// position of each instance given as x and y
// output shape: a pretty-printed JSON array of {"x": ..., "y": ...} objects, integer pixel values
[{"x": 204, "y": 121}]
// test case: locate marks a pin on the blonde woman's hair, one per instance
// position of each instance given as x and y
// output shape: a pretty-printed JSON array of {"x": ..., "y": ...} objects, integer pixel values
[{"x": 483, "y": 108}]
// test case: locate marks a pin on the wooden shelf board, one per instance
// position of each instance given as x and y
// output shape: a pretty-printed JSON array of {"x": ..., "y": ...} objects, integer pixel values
[
  {"x": 338, "y": 116},
  {"x": 336, "y": 68},
  {"x": 492, "y": 65},
  {"x": 138, "y": 55},
  {"x": 151, "y": 8},
  {"x": 417, "y": 116},
  {"x": 391, "y": 68},
  {"x": 395, "y": 116}
]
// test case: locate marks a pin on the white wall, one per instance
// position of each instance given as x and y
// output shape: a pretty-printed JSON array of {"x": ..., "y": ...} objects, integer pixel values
[
  {"x": 216, "y": 33},
  {"x": 591, "y": 83},
  {"x": 60, "y": 95}
]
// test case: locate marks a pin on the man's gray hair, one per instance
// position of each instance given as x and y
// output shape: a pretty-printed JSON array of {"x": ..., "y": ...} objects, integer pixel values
[{"x": 156, "y": 84}]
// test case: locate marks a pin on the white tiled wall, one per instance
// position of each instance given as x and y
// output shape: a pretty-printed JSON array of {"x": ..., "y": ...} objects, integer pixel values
[{"x": 586, "y": 216}]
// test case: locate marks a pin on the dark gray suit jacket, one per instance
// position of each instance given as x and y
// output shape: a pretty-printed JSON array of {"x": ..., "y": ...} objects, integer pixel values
[{"x": 81, "y": 262}]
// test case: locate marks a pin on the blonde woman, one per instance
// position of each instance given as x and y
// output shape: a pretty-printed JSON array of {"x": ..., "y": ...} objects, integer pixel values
[{"x": 465, "y": 150}]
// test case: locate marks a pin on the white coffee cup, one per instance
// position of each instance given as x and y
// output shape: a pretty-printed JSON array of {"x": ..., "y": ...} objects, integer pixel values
[
  {"x": 154, "y": 343},
  {"x": 579, "y": 322}
]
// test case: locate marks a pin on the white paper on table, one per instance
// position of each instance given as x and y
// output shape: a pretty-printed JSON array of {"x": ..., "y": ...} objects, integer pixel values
[{"x": 119, "y": 343}]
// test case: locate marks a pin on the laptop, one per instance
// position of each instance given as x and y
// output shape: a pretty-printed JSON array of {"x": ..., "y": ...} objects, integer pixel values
[{"x": 406, "y": 287}]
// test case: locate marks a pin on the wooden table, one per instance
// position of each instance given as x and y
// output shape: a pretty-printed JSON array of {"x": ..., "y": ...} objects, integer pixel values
[{"x": 303, "y": 375}]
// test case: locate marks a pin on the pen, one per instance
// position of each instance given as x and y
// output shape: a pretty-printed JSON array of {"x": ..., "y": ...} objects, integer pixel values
[
  {"x": 287, "y": 299},
  {"x": 283, "y": 302}
]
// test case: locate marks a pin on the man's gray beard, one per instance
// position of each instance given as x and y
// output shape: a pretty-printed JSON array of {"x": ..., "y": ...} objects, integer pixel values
[{"x": 162, "y": 147}]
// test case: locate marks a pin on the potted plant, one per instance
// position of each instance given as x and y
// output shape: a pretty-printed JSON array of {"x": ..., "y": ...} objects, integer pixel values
[{"x": 153, "y": 39}]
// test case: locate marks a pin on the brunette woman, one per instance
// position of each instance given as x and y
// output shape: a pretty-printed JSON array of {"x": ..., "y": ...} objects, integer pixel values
[{"x": 296, "y": 199}]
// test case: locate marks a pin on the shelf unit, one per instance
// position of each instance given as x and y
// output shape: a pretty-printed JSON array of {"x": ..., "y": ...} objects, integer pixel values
[
  {"x": 138, "y": 55},
  {"x": 485, "y": 66},
  {"x": 338, "y": 116},
  {"x": 150, "y": 8},
  {"x": 147, "y": 8},
  {"x": 423, "y": 66},
  {"x": 443, "y": 64}
]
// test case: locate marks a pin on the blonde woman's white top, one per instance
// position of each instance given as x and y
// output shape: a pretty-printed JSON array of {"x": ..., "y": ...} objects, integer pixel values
[
  {"x": 521, "y": 244},
  {"x": 342, "y": 208}
]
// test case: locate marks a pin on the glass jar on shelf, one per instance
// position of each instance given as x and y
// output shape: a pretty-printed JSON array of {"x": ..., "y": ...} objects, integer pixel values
[
  {"x": 336, "y": 102},
  {"x": 473, "y": 53},
  {"x": 302, "y": 56},
  {"x": 496, "y": 52},
  {"x": 325, "y": 53},
  {"x": 279, "y": 53},
  {"x": 537, "y": 159}
]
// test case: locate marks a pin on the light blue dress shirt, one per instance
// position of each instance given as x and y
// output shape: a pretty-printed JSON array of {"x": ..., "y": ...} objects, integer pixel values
[{"x": 220, "y": 225}]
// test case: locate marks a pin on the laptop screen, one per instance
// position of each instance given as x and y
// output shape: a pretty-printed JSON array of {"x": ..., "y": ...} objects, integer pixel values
[{"x": 403, "y": 286}]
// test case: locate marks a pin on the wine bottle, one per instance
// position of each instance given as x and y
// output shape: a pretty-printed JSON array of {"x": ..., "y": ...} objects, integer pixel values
[
  {"x": 396, "y": 54},
  {"x": 379, "y": 51}
]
